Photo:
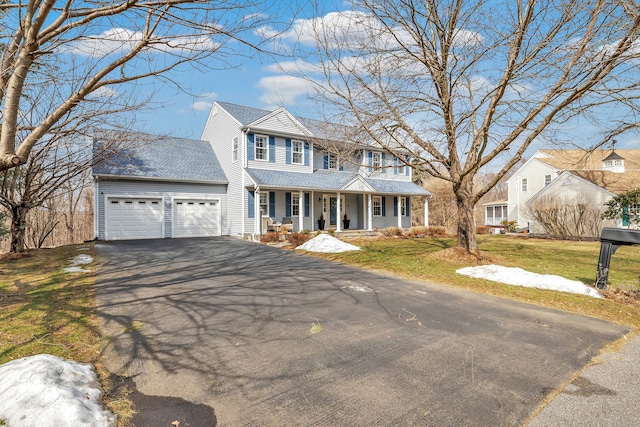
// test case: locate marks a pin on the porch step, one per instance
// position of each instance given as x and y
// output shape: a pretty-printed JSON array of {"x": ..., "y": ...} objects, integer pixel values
[{"x": 357, "y": 234}]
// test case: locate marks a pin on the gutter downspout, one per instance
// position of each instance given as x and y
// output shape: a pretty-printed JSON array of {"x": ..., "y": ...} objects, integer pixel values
[
  {"x": 242, "y": 190},
  {"x": 256, "y": 207}
]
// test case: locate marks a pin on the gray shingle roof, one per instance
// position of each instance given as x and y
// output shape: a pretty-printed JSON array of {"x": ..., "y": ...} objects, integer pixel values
[
  {"x": 147, "y": 156},
  {"x": 247, "y": 115},
  {"x": 329, "y": 180}
]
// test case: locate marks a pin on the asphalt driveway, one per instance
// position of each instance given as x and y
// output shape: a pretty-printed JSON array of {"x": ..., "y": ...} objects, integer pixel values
[{"x": 245, "y": 334}]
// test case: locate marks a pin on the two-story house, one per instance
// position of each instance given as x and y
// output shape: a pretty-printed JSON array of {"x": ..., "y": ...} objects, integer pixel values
[
  {"x": 591, "y": 177},
  {"x": 253, "y": 170},
  {"x": 278, "y": 169}
]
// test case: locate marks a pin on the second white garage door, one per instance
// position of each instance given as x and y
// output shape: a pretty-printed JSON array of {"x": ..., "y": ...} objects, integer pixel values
[{"x": 196, "y": 218}]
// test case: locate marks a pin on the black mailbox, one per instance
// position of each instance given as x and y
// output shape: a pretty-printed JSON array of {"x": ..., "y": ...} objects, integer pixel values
[{"x": 610, "y": 240}]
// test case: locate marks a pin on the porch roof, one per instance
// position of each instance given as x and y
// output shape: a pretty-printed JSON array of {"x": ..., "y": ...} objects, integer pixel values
[{"x": 329, "y": 180}]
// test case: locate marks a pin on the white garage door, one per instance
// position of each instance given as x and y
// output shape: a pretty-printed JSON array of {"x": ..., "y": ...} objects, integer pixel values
[
  {"x": 196, "y": 218},
  {"x": 133, "y": 219}
]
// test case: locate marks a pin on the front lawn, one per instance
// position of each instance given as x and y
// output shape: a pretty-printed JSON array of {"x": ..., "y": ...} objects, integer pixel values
[{"x": 417, "y": 259}]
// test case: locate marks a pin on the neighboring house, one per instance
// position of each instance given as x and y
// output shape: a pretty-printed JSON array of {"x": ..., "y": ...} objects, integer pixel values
[
  {"x": 158, "y": 187},
  {"x": 253, "y": 170},
  {"x": 574, "y": 176},
  {"x": 277, "y": 169}
]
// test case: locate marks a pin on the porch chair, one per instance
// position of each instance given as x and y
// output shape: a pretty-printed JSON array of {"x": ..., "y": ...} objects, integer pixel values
[{"x": 287, "y": 224}]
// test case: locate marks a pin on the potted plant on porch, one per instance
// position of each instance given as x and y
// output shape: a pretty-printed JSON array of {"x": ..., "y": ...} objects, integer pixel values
[
  {"x": 321, "y": 222},
  {"x": 345, "y": 221}
]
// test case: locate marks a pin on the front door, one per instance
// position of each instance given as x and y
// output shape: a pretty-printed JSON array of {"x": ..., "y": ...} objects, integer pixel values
[{"x": 333, "y": 206}]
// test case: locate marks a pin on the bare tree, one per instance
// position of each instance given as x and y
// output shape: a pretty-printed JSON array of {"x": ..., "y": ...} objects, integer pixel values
[
  {"x": 101, "y": 46},
  {"x": 469, "y": 86}
]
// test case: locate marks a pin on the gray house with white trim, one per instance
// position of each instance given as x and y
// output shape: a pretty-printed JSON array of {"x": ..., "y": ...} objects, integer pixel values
[
  {"x": 253, "y": 169},
  {"x": 278, "y": 170}
]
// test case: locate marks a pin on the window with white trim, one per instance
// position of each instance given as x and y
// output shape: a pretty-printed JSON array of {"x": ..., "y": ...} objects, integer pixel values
[
  {"x": 234, "y": 149},
  {"x": 377, "y": 205},
  {"x": 401, "y": 167},
  {"x": 295, "y": 204},
  {"x": 376, "y": 160},
  {"x": 403, "y": 206},
  {"x": 524, "y": 184},
  {"x": 547, "y": 180},
  {"x": 264, "y": 203},
  {"x": 262, "y": 147},
  {"x": 297, "y": 152},
  {"x": 332, "y": 161}
]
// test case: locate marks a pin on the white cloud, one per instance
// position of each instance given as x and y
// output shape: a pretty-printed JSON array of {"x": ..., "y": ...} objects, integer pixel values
[
  {"x": 104, "y": 92},
  {"x": 296, "y": 66},
  {"x": 283, "y": 90},
  {"x": 201, "y": 105},
  {"x": 122, "y": 40}
]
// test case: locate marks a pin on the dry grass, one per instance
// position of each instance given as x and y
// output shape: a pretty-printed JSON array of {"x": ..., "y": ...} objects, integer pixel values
[
  {"x": 460, "y": 255},
  {"x": 45, "y": 310}
]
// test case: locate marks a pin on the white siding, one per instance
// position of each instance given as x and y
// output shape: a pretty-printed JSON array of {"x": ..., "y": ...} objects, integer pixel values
[
  {"x": 279, "y": 123},
  {"x": 164, "y": 190},
  {"x": 533, "y": 171},
  {"x": 220, "y": 131}
]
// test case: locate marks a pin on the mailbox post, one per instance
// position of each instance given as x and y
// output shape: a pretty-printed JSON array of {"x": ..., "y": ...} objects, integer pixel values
[{"x": 610, "y": 241}]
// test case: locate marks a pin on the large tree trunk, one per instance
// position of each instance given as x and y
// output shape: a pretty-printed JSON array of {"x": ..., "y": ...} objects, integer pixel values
[
  {"x": 18, "y": 228},
  {"x": 466, "y": 218}
]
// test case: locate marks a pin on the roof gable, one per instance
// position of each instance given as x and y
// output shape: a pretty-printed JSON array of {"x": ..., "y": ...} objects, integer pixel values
[
  {"x": 357, "y": 184},
  {"x": 280, "y": 121}
]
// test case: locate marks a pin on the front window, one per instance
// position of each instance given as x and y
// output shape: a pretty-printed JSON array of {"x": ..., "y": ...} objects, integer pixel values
[
  {"x": 403, "y": 206},
  {"x": 295, "y": 204},
  {"x": 234, "y": 150},
  {"x": 401, "y": 167},
  {"x": 524, "y": 184},
  {"x": 377, "y": 206},
  {"x": 376, "y": 161},
  {"x": 264, "y": 204},
  {"x": 547, "y": 180},
  {"x": 262, "y": 147},
  {"x": 297, "y": 152}
]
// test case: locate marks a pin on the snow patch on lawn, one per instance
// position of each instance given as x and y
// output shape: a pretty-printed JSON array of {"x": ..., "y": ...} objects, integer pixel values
[
  {"x": 81, "y": 259},
  {"x": 328, "y": 244},
  {"x": 75, "y": 270},
  {"x": 45, "y": 390},
  {"x": 519, "y": 277}
]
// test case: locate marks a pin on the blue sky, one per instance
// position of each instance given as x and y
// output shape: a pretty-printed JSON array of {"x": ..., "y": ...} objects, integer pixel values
[{"x": 258, "y": 83}]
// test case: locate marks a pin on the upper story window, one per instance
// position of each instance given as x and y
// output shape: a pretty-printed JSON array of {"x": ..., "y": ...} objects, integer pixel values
[
  {"x": 330, "y": 161},
  {"x": 234, "y": 149},
  {"x": 297, "y": 152},
  {"x": 547, "y": 180},
  {"x": 376, "y": 160},
  {"x": 262, "y": 147},
  {"x": 377, "y": 205},
  {"x": 524, "y": 184}
]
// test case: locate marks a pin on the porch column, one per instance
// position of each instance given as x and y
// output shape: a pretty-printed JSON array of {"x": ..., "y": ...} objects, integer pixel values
[
  {"x": 338, "y": 213},
  {"x": 369, "y": 212},
  {"x": 256, "y": 212},
  {"x": 300, "y": 211},
  {"x": 426, "y": 211},
  {"x": 312, "y": 207},
  {"x": 399, "y": 208}
]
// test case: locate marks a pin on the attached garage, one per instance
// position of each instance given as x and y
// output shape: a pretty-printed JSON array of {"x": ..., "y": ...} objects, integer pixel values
[
  {"x": 196, "y": 218},
  {"x": 159, "y": 187}
]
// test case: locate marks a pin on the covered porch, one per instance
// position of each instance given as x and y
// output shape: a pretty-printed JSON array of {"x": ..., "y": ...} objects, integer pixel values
[{"x": 329, "y": 205}]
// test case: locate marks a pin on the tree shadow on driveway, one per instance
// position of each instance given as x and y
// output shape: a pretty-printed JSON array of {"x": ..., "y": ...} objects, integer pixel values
[{"x": 270, "y": 337}]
